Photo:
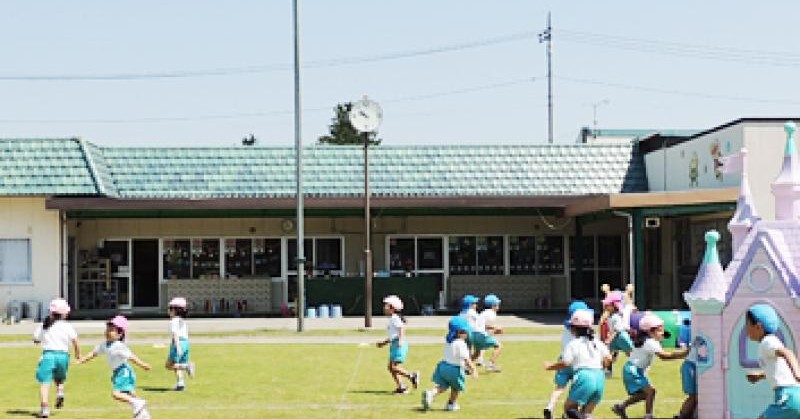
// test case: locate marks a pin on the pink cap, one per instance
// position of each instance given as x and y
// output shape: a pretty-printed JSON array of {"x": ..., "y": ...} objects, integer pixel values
[
  {"x": 613, "y": 298},
  {"x": 581, "y": 318},
  {"x": 178, "y": 302},
  {"x": 394, "y": 302},
  {"x": 59, "y": 306},
  {"x": 650, "y": 321},
  {"x": 119, "y": 322}
]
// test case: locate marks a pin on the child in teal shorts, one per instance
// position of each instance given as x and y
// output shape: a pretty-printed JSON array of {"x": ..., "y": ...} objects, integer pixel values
[
  {"x": 449, "y": 373},
  {"x": 778, "y": 362},
  {"x": 178, "y": 358},
  {"x": 55, "y": 335},
  {"x": 398, "y": 344},
  {"x": 118, "y": 354}
]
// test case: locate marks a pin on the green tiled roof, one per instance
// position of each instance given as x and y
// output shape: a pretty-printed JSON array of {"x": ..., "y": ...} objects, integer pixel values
[
  {"x": 44, "y": 167},
  {"x": 337, "y": 171}
]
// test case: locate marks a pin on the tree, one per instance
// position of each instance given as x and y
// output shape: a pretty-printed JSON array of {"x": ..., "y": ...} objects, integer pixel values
[{"x": 342, "y": 132}]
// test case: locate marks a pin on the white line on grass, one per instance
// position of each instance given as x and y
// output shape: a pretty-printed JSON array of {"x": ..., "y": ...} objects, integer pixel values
[{"x": 350, "y": 381}]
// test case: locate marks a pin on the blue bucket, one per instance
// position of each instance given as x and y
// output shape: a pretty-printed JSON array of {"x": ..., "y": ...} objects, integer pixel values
[
  {"x": 323, "y": 311},
  {"x": 336, "y": 311},
  {"x": 311, "y": 312}
]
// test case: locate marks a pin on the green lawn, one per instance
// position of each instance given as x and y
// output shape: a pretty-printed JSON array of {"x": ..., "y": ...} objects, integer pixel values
[{"x": 309, "y": 381}]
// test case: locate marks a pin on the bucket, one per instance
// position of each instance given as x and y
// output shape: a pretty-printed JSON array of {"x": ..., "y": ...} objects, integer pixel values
[
  {"x": 324, "y": 312},
  {"x": 14, "y": 310},
  {"x": 336, "y": 311},
  {"x": 30, "y": 310},
  {"x": 311, "y": 312}
]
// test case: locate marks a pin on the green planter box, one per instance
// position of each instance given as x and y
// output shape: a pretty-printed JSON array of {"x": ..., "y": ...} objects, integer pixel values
[{"x": 348, "y": 292}]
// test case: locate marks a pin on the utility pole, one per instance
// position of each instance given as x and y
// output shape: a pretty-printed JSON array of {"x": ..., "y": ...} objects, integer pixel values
[
  {"x": 547, "y": 36},
  {"x": 298, "y": 150}
]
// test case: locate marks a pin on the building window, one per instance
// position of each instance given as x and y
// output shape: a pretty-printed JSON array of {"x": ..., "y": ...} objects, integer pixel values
[
  {"x": 477, "y": 255},
  {"x": 401, "y": 255},
  {"x": 522, "y": 255},
  {"x": 430, "y": 254},
  {"x": 417, "y": 256},
  {"x": 328, "y": 255},
  {"x": 602, "y": 264},
  {"x": 550, "y": 255},
  {"x": 267, "y": 257},
  {"x": 177, "y": 259},
  {"x": 15, "y": 261},
  {"x": 238, "y": 258},
  {"x": 205, "y": 258}
]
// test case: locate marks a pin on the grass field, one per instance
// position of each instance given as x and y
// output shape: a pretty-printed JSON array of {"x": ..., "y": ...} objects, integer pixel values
[{"x": 309, "y": 381}]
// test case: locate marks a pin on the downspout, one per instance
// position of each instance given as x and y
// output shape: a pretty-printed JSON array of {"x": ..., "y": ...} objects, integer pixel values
[
  {"x": 631, "y": 248},
  {"x": 62, "y": 217}
]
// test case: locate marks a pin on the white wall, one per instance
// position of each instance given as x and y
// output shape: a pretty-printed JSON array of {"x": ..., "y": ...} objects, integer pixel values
[
  {"x": 27, "y": 218},
  {"x": 765, "y": 144},
  {"x": 679, "y": 162}
]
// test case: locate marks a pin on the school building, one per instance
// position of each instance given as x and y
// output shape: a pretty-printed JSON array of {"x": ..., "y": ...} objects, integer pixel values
[{"x": 113, "y": 228}]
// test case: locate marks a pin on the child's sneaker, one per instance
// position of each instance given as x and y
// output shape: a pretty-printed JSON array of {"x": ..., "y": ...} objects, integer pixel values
[
  {"x": 574, "y": 414},
  {"x": 548, "y": 414},
  {"x": 44, "y": 413},
  {"x": 427, "y": 399},
  {"x": 190, "y": 369},
  {"x": 143, "y": 414},
  {"x": 493, "y": 367},
  {"x": 180, "y": 387},
  {"x": 402, "y": 390},
  {"x": 59, "y": 401},
  {"x": 138, "y": 408},
  {"x": 452, "y": 407},
  {"x": 619, "y": 411},
  {"x": 414, "y": 379}
]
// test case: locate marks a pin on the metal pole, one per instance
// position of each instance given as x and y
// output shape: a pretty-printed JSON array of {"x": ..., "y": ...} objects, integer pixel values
[
  {"x": 367, "y": 239},
  {"x": 547, "y": 37},
  {"x": 298, "y": 150}
]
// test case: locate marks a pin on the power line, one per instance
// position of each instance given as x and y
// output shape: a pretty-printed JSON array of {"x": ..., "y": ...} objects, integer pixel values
[
  {"x": 258, "y": 69},
  {"x": 426, "y": 96}
]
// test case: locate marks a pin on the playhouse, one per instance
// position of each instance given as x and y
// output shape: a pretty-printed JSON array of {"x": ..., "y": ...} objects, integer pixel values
[{"x": 764, "y": 269}]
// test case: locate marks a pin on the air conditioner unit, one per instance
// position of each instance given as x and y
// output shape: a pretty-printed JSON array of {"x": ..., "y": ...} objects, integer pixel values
[{"x": 652, "y": 222}]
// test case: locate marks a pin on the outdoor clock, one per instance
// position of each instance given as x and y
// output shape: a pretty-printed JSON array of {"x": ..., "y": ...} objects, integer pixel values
[
  {"x": 287, "y": 225},
  {"x": 365, "y": 115}
]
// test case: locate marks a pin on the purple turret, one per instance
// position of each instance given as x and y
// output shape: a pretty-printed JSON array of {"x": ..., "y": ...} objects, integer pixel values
[
  {"x": 786, "y": 187},
  {"x": 745, "y": 216},
  {"x": 707, "y": 294}
]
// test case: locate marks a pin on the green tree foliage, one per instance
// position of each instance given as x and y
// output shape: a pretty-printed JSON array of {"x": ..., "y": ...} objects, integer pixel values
[{"x": 342, "y": 132}]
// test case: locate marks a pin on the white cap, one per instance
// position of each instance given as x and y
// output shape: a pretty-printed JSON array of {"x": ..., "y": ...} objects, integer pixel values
[
  {"x": 178, "y": 302},
  {"x": 394, "y": 302}
]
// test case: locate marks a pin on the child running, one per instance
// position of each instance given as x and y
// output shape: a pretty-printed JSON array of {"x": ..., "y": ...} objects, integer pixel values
[
  {"x": 118, "y": 355},
  {"x": 178, "y": 358},
  {"x": 618, "y": 337},
  {"x": 779, "y": 363},
  {"x": 398, "y": 350},
  {"x": 564, "y": 375},
  {"x": 646, "y": 347},
  {"x": 586, "y": 356},
  {"x": 449, "y": 373},
  {"x": 55, "y": 335},
  {"x": 485, "y": 327}
]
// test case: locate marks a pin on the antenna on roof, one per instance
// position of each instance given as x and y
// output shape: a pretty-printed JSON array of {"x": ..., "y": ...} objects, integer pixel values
[
  {"x": 249, "y": 141},
  {"x": 547, "y": 36}
]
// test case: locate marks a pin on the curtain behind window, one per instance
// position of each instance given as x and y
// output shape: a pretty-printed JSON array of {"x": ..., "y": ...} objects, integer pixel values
[{"x": 15, "y": 260}]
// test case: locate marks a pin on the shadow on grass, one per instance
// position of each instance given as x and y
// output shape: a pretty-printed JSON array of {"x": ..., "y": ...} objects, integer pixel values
[
  {"x": 375, "y": 392},
  {"x": 18, "y": 412},
  {"x": 157, "y": 389}
]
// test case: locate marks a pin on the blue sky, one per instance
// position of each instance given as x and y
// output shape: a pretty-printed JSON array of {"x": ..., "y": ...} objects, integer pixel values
[{"x": 680, "y": 64}]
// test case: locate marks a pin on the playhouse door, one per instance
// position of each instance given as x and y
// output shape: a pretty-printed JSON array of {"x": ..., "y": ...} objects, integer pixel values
[{"x": 745, "y": 400}]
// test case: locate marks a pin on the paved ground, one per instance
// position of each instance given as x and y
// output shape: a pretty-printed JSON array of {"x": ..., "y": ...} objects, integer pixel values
[{"x": 232, "y": 327}]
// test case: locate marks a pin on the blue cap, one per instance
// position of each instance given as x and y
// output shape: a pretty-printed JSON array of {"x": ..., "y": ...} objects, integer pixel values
[
  {"x": 491, "y": 300},
  {"x": 468, "y": 300},
  {"x": 573, "y": 307},
  {"x": 457, "y": 324},
  {"x": 766, "y": 315}
]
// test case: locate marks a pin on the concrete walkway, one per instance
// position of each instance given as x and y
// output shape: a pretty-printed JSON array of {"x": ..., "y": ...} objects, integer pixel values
[
  {"x": 348, "y": 330},
  {"x": 243, "y": 325}
]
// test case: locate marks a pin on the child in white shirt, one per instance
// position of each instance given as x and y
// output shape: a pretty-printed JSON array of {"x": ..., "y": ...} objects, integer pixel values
[
  {"x": 56, "y": 336},
  {"x": 450, "y": 371},
  {"x": 485, "y": 327},
  {"x": 118, "y": 355},
  {"x": 779, "y": 364},
  {"x": 398, "y": 349},
  {"x": 587, "y": 357},
  {"x": 178, "y": 358},
  {"x": 646, "y": 348},
  {"x": 563, "y": 376}
]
